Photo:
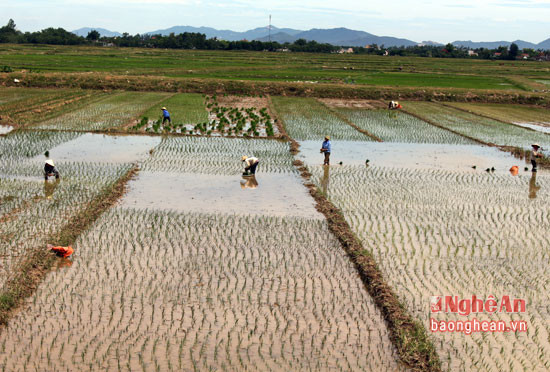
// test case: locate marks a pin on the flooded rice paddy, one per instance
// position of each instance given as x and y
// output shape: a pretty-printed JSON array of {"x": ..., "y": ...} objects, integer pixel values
[
  {"x": 198, "y": 268},
  {"x": 266, "y": 194},
  {"x": 460, "y": 158},
  {"x": 101, "y": 148}
]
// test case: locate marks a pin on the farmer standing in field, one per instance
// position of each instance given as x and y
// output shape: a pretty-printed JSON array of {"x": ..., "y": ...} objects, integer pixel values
[
  {"x": 250, "y": 165},
  {"x": 535, "y": 153},
  {"x": 326, "y": 149},
  {"x": 166, "y": 116}
]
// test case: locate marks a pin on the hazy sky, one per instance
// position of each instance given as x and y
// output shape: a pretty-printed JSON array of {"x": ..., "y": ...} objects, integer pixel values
[{"x": 437, "y": 20}]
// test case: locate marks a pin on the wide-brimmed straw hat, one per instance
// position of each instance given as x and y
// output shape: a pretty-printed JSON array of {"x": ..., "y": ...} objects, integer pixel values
[
  {"x": 164, "y": 108},
  {"x": 244, "y": 157},
  {"x": 535, "y": 145},
  {"x": 327, "y": 137}
]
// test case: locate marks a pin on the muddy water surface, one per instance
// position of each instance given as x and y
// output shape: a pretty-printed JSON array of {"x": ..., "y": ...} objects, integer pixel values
[
  {"x": 266, "y": 194},
  {"x": 104, "y": 149},
  {"x": 540, "y": 127},
  {"x": 4, "y": 129},
  {"x": 413, "y": 156}
]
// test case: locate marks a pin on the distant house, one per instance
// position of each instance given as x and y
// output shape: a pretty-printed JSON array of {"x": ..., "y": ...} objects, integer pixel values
[
  {"x": 386, "y": 53},
  {"x": 497, "y": 54},
  {"x": 471, "y": 53},
  {"x": 284, "y": 50},
  {"x": 525, "y": 56},
  {"x": 345, "y": 50}
]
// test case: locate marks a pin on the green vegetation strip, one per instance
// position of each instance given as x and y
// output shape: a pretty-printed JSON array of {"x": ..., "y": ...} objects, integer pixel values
[
  {"x": 30, "y": 272},
  {"x": 104, "y": 81}
]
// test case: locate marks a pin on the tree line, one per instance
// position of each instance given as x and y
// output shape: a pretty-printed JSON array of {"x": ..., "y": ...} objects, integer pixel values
[{"x": 190, "y": 40}]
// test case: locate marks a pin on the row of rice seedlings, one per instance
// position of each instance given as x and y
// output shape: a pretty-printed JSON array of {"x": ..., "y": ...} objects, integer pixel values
[
  {"x": 392, "y": 126},
  {"x": 113, "y": 111},
  {"x": 481, "y": 128},
  {"x": 43, "y": 104},
  {"x": 153, "y": 290},
  {"x": 505, "y": 112},
  {"x": 218, "y": 155},
  {"x": 41, "y": 209},
  {"x": 469, "y": 235},
  {"x": 13, "y": 94},
  {"x": 242, "y": 121},
  {"x": 22, "y": 144},
  {"x": 184, "y": 108},
  {"x": 308, "y": 119}
]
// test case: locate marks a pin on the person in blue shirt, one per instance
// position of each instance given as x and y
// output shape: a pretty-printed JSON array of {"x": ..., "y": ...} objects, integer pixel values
[
  {"x": 325, "y": 148},
  {"x": 165, "y": 116}
]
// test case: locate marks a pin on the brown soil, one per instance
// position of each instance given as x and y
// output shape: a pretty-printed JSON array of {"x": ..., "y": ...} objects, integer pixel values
[{"x": 29, "y": 273}]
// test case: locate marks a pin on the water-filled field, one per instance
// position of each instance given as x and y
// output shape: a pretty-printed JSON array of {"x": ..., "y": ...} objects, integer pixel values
[{"x": 199, "y": 268}]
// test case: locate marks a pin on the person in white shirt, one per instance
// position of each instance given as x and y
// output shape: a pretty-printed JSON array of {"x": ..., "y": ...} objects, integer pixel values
[{"x": 250, "y": 165}]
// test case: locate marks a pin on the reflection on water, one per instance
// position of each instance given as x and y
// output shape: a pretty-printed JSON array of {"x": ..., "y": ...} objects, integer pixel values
[
  {"x": 63, "y": 263},
  {"x": 280, "y": 194},
  {"x": 249, "y": 182},
  {"x": 49, "y": 188},
  {"x": 104, "y": 148},
  {"x": 466, "y": 158},
  {"x": 533, "y": 187},
  {"x": 325, "y": 179}
]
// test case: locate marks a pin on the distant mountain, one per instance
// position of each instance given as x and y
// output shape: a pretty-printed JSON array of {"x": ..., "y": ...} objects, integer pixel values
[
  {"x": 544, "y": 44},
  {"x": 335, "y": 36},
  {"x": 280, "y": 37},
  {"x": 494, "y": 44},
  {"x": 103, "y": 32},
  {"x": 227, "y": 34},
  {"x": 431, "y": 43}
]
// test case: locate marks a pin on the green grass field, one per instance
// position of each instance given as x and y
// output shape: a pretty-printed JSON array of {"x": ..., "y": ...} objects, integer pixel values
[
  {"x": 286, "y": 67},
  {"x": 183, "y": 108}
]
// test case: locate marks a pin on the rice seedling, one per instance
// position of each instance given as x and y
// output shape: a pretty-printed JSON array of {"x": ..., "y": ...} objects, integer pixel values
[
  {"x": 114, "y": 110},
  {"x": 22, "y": 106},
  {"x": 203, "y": 291},
  {"x": 391, "y": 126},
  {"x": 39, "y": 209},
  {"x": 509, "y": 113},
  {"x": 218, "y": 155},
  {"x": 471, "y": 234},
  {"x": 184, "y": 109},
  {"x": 478, "y": 127},
  {"x": 308, "y": 119}
]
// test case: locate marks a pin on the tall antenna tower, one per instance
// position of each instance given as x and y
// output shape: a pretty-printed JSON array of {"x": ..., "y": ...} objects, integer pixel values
[{"x": 270, "y": 28}]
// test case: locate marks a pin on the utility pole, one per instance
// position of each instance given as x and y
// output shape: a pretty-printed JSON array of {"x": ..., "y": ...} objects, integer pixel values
[{"x": 270, "y": 28}]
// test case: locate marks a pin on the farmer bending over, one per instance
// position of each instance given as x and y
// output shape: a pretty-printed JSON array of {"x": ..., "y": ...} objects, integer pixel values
[
  {"x": 325, "y": 148},
  {"x": 50, "y": 170},
  {"x": 536, "y": 153},
  {"x": 394, "y": 105},
  {"x": 166, "y": 116},
  {"x": 250, "y": 165}
]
